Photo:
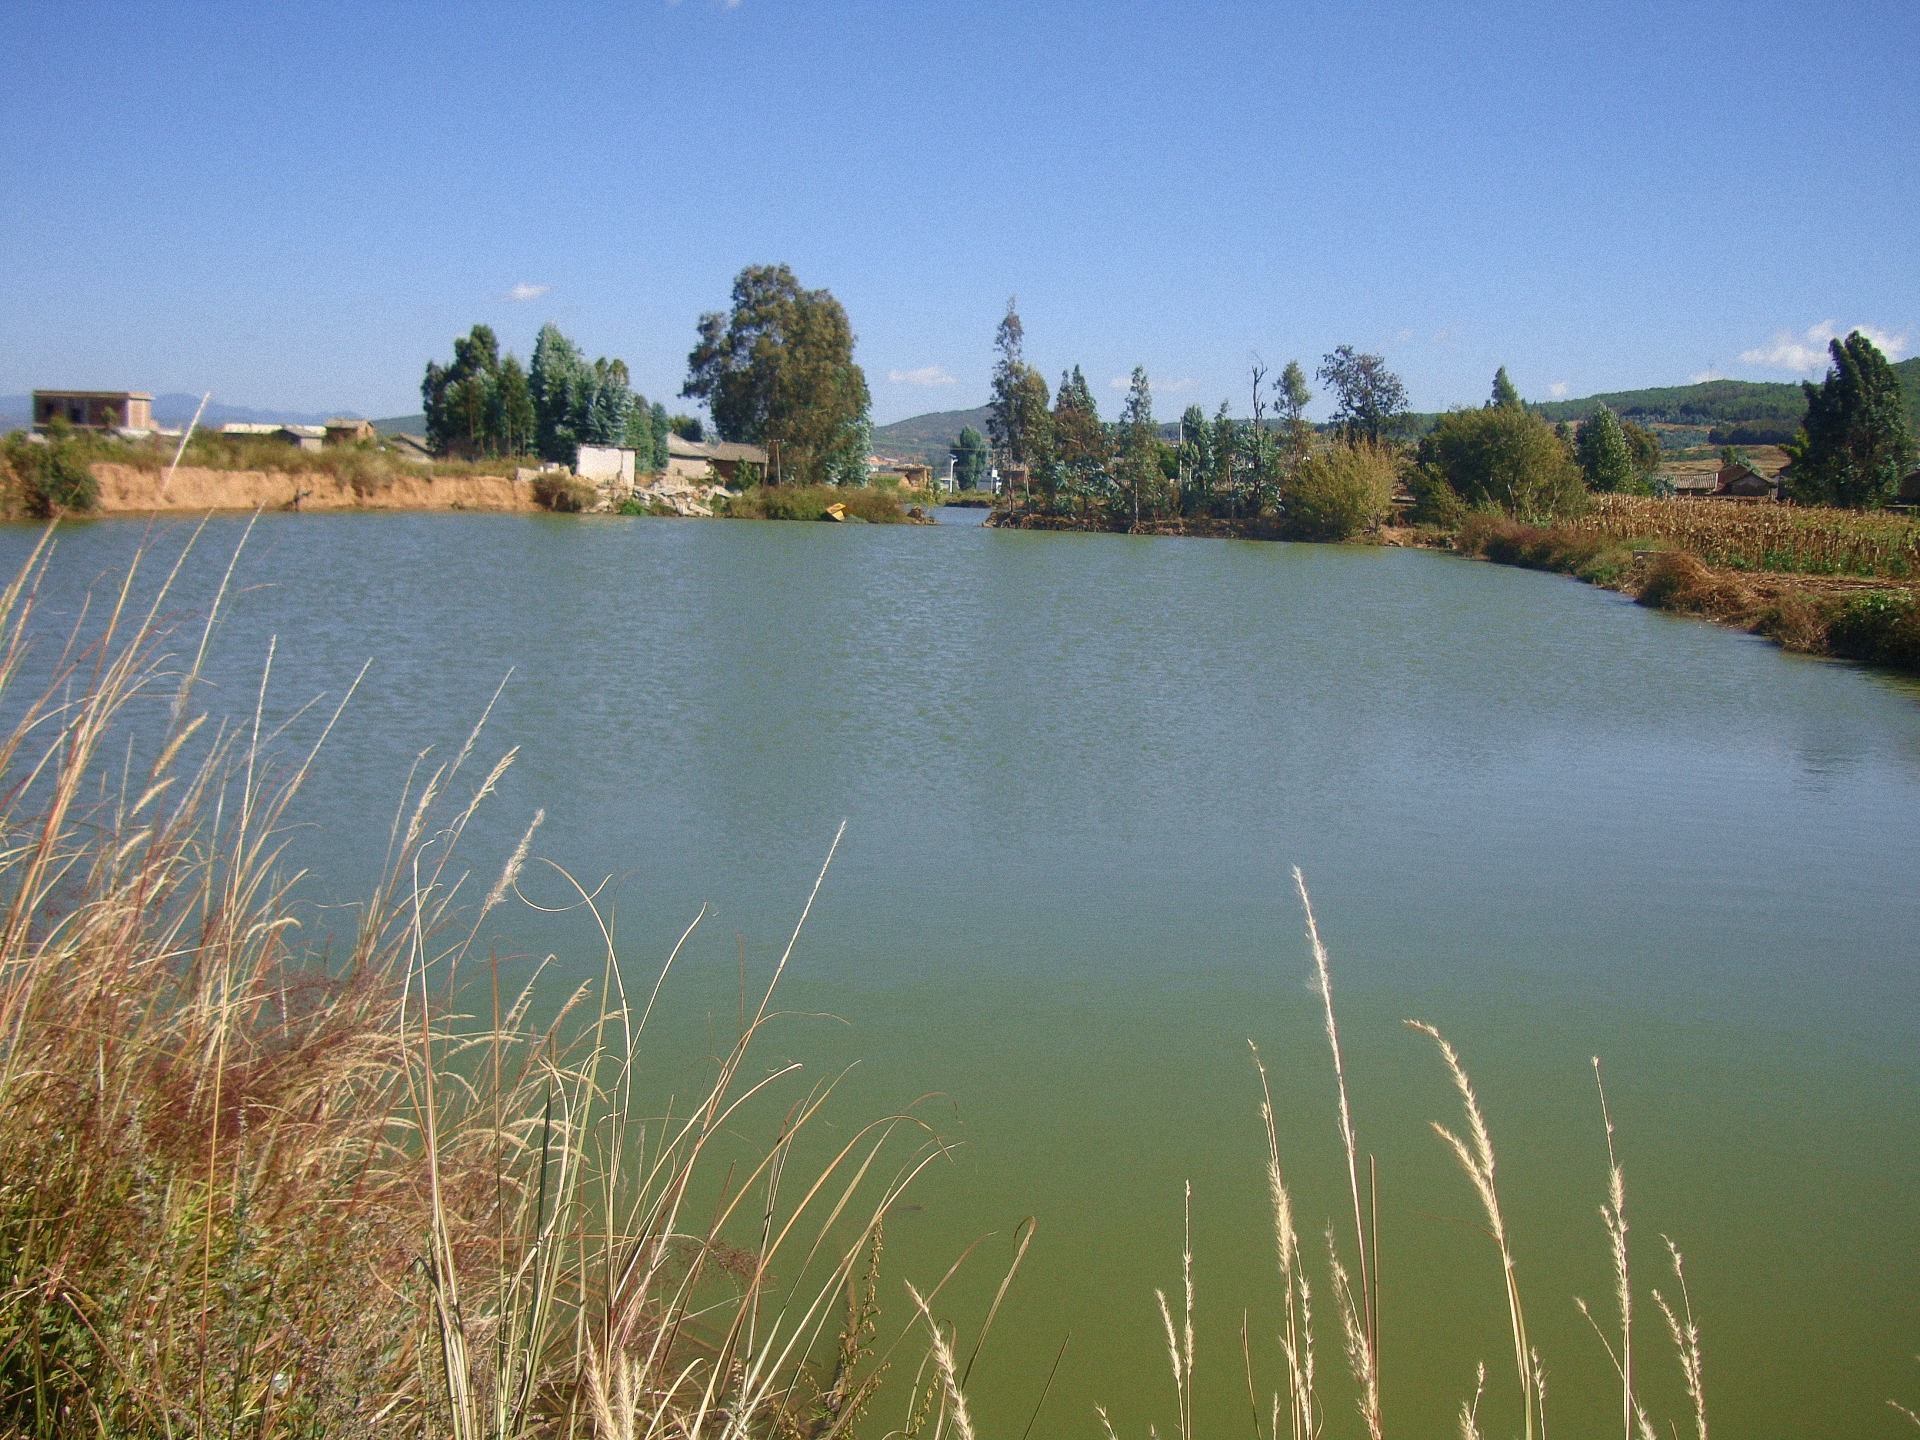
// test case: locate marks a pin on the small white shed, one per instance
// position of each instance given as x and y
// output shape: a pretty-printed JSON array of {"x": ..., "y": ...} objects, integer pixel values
[{"x": 605, "y": 465}]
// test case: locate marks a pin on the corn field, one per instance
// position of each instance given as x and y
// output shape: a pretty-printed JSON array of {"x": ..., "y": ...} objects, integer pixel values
[{"x": 1787, "y": 538}]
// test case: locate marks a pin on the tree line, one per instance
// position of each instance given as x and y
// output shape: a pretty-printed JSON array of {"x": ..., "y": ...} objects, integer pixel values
[
  {"x": 1065, "y": 460},
  {"x": 776, "y": 370},
  {"x": 1851, "y": 450},
  {"x": 484, "y": 404}
]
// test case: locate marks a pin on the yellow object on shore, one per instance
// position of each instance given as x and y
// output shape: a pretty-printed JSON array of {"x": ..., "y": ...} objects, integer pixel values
[{"x": 836, "y": 511}]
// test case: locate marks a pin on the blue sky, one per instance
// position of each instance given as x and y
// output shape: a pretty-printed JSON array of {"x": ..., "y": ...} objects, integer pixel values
[{"x": 296, "y": 208}]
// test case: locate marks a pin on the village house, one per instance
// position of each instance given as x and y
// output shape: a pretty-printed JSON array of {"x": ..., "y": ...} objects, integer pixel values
[
  {"x": 696, "y": 462},
  {"x": 94, "y": 409},
  {"x": 300, "y": 437},
  {"x": 1739, "y": 480},
  {"x": 342, "y": 431},
  {"x": 609, "y": 466}
]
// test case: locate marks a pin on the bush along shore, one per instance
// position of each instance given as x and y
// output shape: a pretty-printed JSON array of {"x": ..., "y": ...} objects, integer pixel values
[{"x": 1830, "y": 598}]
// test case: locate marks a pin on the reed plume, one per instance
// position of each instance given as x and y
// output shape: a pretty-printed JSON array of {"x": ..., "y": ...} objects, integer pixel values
[
  {"x": 1365, "y": 1362},
  {"x": 1478, "y": 1161},
  {"x": 1686, "y": 1343}
]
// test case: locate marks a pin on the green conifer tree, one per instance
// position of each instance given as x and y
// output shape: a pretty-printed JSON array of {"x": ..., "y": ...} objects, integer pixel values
[
  {"x": 557, "y": 382},
  {"x": 1856, "y": 445},
  {"x": 1601, "y": 449}
]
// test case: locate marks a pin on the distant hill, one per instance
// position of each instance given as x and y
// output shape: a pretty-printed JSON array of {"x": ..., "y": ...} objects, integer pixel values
[
  {"x": 1727, "y": 403},
  {"x": 402, "y": 424},
  {"x": 1712, "y": 402},
  {"x": 925, "y": 434}
]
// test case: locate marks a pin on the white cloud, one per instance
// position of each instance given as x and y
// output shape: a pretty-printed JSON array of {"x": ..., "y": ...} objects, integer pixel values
[
  {"x": 1808, "y": 352},
  {"x": 1558, "y": 390},
  {"x": 1404, "y": 336},
  {"x": 926, "y": 376},
  {"x": 1176, "y": 386},
  {"x": 527, "y": 292},
  {"x": 1119, "y": 382},
  {"x": 1700, "y": 377}
]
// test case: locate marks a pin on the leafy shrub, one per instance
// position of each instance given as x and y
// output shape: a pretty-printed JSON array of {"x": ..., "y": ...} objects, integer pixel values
[
  {"x": 1508, "y": 459},
  {"x": 564, "y": 493},
  {"x": 55, "y": 478},
  {"x": 1881, "y": 627},
  {"x": 1435, "y": 502},
  {"x": 1341, "y": 493}
]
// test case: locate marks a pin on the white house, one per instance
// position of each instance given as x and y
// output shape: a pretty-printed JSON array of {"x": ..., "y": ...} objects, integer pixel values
[{"x": 608, "y": 466}]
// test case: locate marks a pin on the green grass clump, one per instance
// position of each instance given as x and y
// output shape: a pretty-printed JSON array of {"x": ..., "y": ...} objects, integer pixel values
[
  {"x": 55, "y": 478},
  {"x": 1560, "y": 548},
  {"x": 875, "y": 504},
  {"x": 1881, "y": 627}
]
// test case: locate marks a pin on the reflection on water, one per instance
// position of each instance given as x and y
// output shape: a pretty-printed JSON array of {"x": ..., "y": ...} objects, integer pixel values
[{"x": 1076, "y": 771}]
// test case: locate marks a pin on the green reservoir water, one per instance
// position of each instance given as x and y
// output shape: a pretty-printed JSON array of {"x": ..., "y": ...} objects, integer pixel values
[{"x": 1076, "y": 771}]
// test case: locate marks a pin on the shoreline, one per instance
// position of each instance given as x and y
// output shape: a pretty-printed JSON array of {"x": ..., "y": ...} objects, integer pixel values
[{"x": 1865, "y": 620}]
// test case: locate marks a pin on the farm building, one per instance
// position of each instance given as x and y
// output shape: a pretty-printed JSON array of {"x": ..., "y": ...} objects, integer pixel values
[
  {"x": 1742, "y": 480},
  {"x": 347, "y": 431},
  {"x": 691, "y": 459},
  {"x": 94, "y": 409},
  {"x": 300, "y": 437}
]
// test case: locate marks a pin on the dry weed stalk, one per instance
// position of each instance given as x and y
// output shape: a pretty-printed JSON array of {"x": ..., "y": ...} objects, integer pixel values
[
  {"x": 226, "y": 1147},
  {"x": 943, "y": 1360},
  {"x": 1470, "y": 1414},
  {"x": 1362, "y": 1322},
  {"x": 1478, "y": 1161},
  {"x": 1686, "y": 1343},
  {"x": 1296, "y": 1336},
  {"x": 1179, "y": 1353},
  {"x": 1613, "y": 1218}
]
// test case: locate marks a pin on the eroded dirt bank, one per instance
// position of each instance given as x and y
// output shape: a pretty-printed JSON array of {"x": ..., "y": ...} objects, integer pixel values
[{"x": 126, "y": 489}]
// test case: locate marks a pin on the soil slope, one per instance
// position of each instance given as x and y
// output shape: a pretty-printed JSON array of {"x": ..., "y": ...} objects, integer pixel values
[{"x": 124, "y": 489}]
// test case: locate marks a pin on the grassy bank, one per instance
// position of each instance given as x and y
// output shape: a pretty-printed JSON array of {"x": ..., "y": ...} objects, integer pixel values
[
  {"x": 1870, "y": 618},
  {"x": 39, "y": 480},
  {"x": 874, "y": 504}
]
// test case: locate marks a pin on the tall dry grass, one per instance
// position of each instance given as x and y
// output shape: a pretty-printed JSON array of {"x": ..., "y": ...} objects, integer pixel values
[
  {"x": 1296, "y": 1408},
  {"x": 257, "y": 1185}
]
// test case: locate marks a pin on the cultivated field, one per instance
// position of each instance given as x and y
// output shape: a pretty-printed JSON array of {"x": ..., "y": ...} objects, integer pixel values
[{"x": 1787, "y": 538}]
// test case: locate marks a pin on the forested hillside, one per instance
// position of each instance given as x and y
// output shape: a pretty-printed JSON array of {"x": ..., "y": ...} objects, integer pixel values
[
  {"x": 1722, "y": 403},
  {"x": 925, "y": 433}
]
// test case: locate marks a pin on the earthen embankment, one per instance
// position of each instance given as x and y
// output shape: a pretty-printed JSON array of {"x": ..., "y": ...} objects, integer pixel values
[{"x": 128, "y": 489}]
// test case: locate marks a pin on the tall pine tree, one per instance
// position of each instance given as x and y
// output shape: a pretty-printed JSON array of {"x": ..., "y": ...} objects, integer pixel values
[{"x": 1854, "y": 445}]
